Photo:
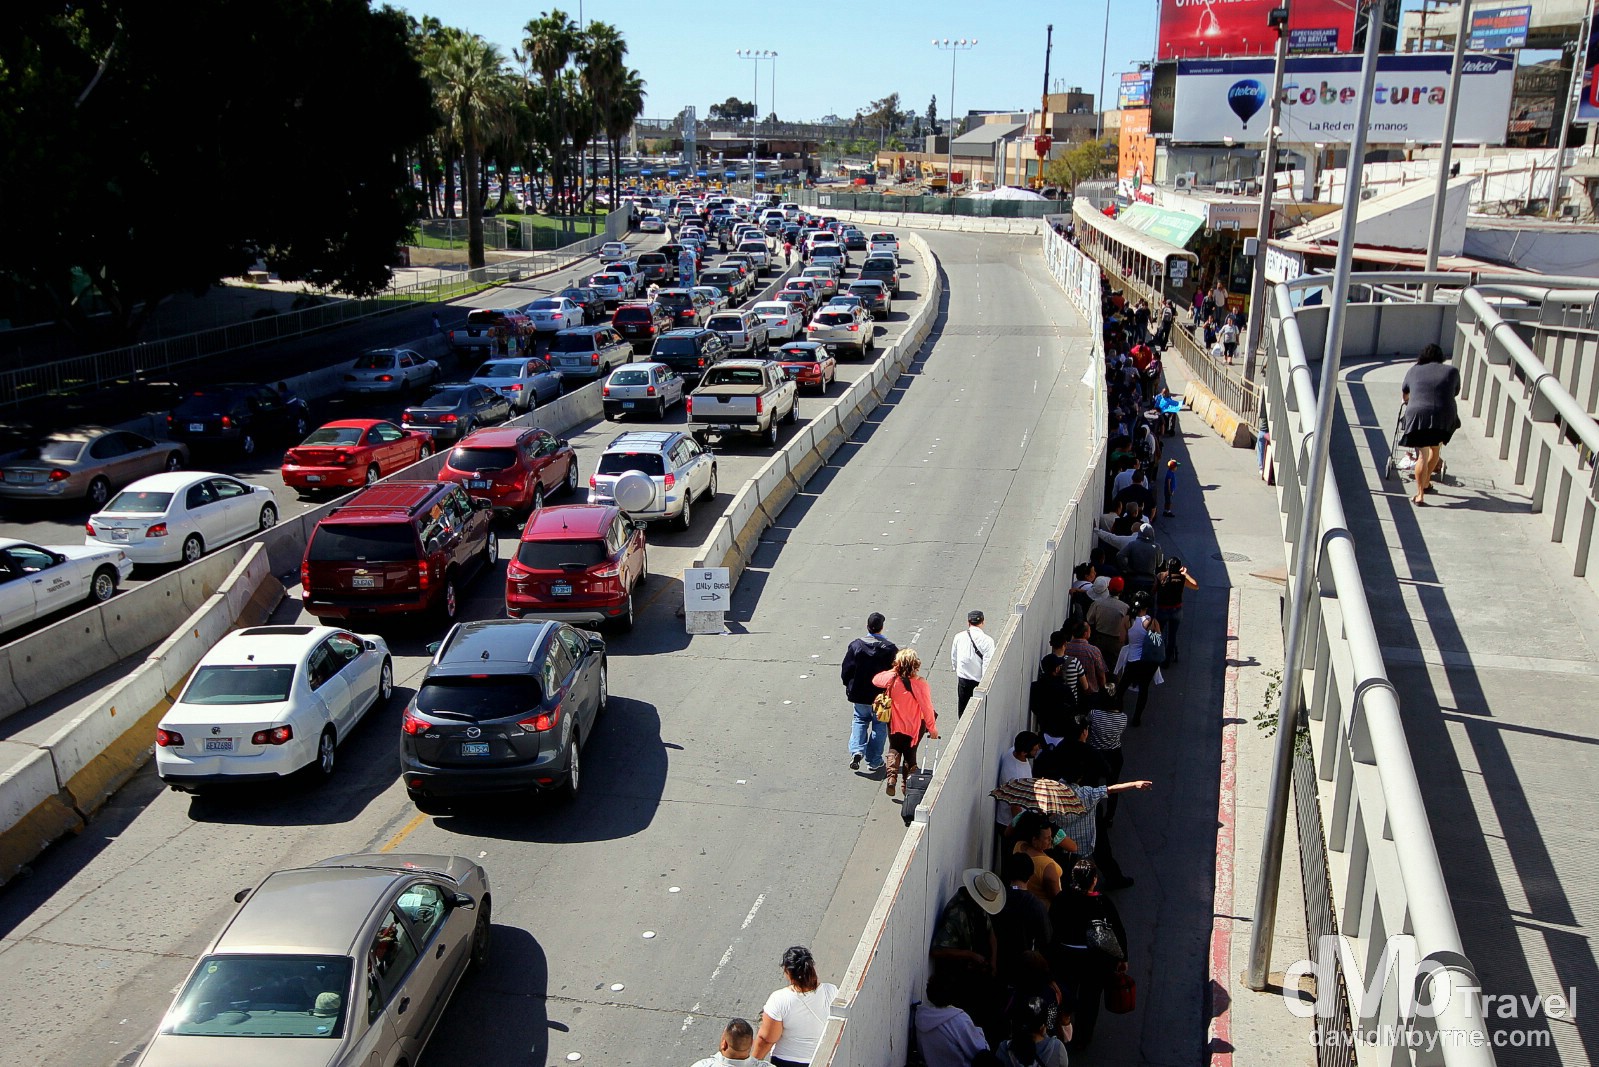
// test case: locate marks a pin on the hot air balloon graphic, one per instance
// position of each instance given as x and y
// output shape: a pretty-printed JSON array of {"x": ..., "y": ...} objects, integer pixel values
[{"x": 1245, "y": 98}]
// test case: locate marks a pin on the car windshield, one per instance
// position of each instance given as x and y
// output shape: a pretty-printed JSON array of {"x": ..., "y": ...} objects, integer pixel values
[
  {"x": 479, "y": 699},
  {"x": 835, "y": 318},
  {"x": 264, "y": 996},
  {"x": 445, "y": 398},
  {"x": 482, "y": 459},
  {"x": 375, "y": 361},
  {"x": 334, "y": 435},
  {"x": 500, "y": 369},
  {"x": 572, "y": 342},
  {"x": 556, "y": 555},
  {"x": 386, "y": 542},
  {"x": 545, "y": 305},
  {"x": 621, "y": 462},
  {"x": 131, "y": 502},
  {"x": 631, "y": 377},
  {"x": 61, "y": 451},
  {"x": 250, "y": 683}
]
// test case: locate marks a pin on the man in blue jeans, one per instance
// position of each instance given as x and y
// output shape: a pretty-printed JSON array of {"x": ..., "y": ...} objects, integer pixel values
[{"x": 866, "y": 657}]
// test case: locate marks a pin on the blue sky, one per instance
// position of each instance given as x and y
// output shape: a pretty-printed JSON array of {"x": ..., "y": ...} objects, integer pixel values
[{"x": 837, "y": 56}]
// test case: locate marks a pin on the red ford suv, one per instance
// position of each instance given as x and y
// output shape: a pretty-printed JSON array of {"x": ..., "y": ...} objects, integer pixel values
[
  {"x": 577, "y": 563},
  {"x": 512, "y": 469},
  {"x": 398, "y": 548}
]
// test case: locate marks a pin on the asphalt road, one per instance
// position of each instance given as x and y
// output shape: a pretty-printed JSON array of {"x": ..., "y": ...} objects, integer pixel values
[{"x": 718, "y": 813}]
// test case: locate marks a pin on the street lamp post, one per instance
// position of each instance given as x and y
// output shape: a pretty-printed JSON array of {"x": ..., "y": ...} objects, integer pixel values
[
  {"x": 953, "y": 47},
  {"x": 755, "y": 55}
]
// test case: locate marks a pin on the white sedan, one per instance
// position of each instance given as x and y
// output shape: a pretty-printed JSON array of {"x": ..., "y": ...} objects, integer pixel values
[
  {"x": 268, "y": 701},
  {"x": 783, "y": 320},
  {"x": 611, "y": 251},
  {"x": 652, "y": 224},
  {"x": 551, "y": 314},
  {"x": 179, "y": 517},
  {"x": 37, "y": 580}
]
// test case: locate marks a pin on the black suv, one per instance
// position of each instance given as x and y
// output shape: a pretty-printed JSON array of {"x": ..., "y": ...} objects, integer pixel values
[
  {"x": 504, "y": 707},
  {"x": 238, "y": 416},
  {"x": 690, "y": 351},
  {"x": 881, "y": 269}
]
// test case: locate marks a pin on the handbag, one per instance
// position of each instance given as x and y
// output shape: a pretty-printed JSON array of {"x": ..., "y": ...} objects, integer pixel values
[
  {"x": 1121, "y": 993},
  {"x": 883, "y": 706},
  {"x": 1102, "y": 936}
]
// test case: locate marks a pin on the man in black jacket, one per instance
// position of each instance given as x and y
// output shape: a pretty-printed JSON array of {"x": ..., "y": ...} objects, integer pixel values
[{"x": 866, "y": 657}]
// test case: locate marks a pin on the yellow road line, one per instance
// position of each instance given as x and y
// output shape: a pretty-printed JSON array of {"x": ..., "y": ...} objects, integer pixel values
[{"x": 405, "y": 832}]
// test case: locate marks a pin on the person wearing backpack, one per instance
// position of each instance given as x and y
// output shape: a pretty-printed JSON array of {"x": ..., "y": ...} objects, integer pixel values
[
  {"x": 863, "y": 659},
  {"x": 1145, "y": 652}
]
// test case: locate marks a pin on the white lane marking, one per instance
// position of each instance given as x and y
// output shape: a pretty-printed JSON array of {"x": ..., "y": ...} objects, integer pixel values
[
  {"x": 753, "y": 909},
  {"x": 688, "y": 1020},
  {"x": 1024, "y": 439}
]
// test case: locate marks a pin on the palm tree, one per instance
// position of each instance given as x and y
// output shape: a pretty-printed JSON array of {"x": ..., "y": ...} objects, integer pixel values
[
  {"x": 470, "y": 80},
  {"x": 549, "y": 42},
  {"x": 626, "y": 105},
  {"x": 602, "y": 56}
]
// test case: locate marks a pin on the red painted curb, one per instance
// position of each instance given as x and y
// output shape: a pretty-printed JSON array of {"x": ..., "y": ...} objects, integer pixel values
[{"x": 1219, "y": 1046}]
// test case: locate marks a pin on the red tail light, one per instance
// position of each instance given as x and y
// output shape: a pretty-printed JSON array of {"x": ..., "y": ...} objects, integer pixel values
[
  {"x": 450, "y": 418},
  {"x": 688, "y": 406},
  {"x": 58, "y": 475},
  {"x": 592, "y": 483},
  {"x": 385, "y": 377},
  {"x": 158, "y": 530},
  {"x": 671, "y": 479},
  {"x": 226, "y": 422},
  {"x": 542, "y": 722},
  {"x": 605, "y": 390},
  {"x": 305, "y": 573},
  {"x": 651, "y": 327},
  {"x": 422, "y": 575},
  {"x": 594, "y": 358},
  {"x": 168, "y": 738},
  {"x": 410, "y": 724},
  {"x": 88, "y": 528},
  {"x": 278, "y": 735},
  {"x": 760, "y": 405},
  {"x": 405, "y": 416},
  {"x": 609, "y": 569},
  {"x": 650, "y": 391},
  {"x": 854, "y": 326},
  {"x": 169, "y": 420},
  {"x": 515, "y": 387},
  {"x": 702, "y": 361}
]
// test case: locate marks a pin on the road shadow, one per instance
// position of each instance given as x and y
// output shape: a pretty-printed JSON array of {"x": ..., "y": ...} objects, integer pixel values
[{"x": 501, "y": 1012}]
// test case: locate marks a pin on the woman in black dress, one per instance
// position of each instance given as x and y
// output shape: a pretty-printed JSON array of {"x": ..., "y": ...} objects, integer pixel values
[{"x": 1430, "y": 419}]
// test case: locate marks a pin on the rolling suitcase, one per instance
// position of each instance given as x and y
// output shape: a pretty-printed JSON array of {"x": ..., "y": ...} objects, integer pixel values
[{"x": 916, "y": 788}]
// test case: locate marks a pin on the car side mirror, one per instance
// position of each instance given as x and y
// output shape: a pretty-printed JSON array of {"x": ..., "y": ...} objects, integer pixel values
[
  {"x": 640, "y": 525},
  {"x": 433, "y": 647},
  {"x": 370, "y": 646},
  {"x": 596, "y": 644},
  {"x": 479, "y": 504},
  {"x": 60, "y": 559},
  {"x": 238, "y": 898}
]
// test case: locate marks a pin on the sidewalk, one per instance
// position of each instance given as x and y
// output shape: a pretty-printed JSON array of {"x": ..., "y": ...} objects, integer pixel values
[{"x": 1192, "y": 843}]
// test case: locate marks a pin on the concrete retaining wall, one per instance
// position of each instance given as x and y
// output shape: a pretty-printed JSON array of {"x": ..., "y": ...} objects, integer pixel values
[
  {"x": 50, "y": 789},
  {"x": 757, "y": 505},
  {"x": 870, "y": 1017}
]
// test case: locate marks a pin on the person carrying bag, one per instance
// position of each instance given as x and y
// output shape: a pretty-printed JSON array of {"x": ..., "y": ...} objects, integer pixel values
[{"x": 911, "y": 714}]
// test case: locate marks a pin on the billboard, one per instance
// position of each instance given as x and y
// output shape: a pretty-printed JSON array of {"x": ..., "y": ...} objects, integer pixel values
[
  {"x": 1162, "y": 97},
  {"x": 1194, "y": 29},
  {"x": 1588, "y": 102},
  {"x": 1500, "y": 28},
  {"x": 1220, "y": 99},
  {"x": 1134, "y": 90}
]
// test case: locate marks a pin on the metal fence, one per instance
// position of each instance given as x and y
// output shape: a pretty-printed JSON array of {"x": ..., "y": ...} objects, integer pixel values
[
  {"x": 1375, "y": 845},
  {"x": 82, "y": 374},
  {"x": 511, "y": 233},
  {"x": 930, "y": 205}
]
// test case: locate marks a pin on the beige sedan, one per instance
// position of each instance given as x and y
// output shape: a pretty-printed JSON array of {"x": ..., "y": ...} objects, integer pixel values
[
  {"x": 347, "y": 963},
  {"x": 89, "y": 463}
]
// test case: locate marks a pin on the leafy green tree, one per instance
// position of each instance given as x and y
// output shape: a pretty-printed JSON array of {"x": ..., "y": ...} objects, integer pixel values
[
  {"x": 123, "y": 122},
  {"x": 550, "y": 42},
  {"x": 473, "y": 91},
  {"x": 1078, "y": 163},
  {"x": 731, "y": 110},
  {"x": 932, "y": 113}
]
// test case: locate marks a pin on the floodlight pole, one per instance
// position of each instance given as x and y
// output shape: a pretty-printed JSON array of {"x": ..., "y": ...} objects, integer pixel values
[
  {"x": 1257, "y": 286},
  {"x": 1435, "y": 226}
]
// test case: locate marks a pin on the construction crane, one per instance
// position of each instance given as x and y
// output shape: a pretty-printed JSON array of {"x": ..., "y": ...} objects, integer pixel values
[{"x": 1042, "y": 142}]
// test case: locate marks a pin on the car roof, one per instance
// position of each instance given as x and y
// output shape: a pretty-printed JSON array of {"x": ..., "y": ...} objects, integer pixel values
[
  {"x": 576, "y": 331},
  {"x": 172, "y": 481},
  {"x": 496, "y": 436},
  {"x": 308, "y": 910},
  {"x": 356, "y": 424},
  {"x": 635, "y": 440},
  {"x": 570, "y": 520},
  {"x": 505, "y": 643},
  {"x": 391, "y": 497},
  {"x": 643, "y": 364},
  {"x": 801, "y": 344},
  {"x": 80, "y": 433},
  {"x": 267, "y": 644},
  {"x": 686, "y": 331}
]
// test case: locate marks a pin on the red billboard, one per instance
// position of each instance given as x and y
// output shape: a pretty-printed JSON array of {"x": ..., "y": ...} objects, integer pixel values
[{"x": 1205, "y": 29}]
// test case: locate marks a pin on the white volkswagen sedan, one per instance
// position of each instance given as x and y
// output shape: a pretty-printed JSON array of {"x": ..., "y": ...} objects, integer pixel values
[
  {"x": 268, "y": 701},
  {"x": 37, "y": 580},
  {"x": 179, "y": 517},
  {"x": 783, "y": 320}
]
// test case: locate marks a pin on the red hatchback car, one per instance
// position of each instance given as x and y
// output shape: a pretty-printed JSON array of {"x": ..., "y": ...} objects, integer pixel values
[
  {"x": 577, "y": 563},
  {"x": 351, "y": 453},
  {"x": 514, "y": 468}
]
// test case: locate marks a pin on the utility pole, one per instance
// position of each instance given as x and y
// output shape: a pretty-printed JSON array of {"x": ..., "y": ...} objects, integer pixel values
[
  {"x": 1565, "y": 114},
  {"x": 1435, "y": 228},
  {"x": 1307, "y": 549},
  {"x": 1099, "y": 93},
  {"x": 1278, "y": 20}
]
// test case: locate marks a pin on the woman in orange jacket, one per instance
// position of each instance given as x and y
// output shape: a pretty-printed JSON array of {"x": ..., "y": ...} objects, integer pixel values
[{"x": 912, "y": 715}]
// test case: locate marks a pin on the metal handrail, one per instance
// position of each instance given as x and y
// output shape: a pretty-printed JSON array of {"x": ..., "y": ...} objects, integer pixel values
[{"x": 1426, "y": 893}]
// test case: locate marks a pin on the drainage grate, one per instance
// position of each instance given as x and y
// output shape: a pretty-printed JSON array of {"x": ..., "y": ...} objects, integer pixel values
[{"x": 1230, "y": 557}]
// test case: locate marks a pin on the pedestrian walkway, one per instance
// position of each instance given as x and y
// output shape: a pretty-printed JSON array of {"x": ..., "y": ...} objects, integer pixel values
[{"x": 1492, "y": 645}]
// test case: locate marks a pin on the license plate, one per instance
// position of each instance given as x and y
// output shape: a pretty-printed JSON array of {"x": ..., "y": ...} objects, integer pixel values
[
  {"x": 197, "y": 427},
  {"x": 627, "y": 403},
  {"x": 474, "y": 748},
  {"x": 313, "y": 477},
  {"x": 219, "y": 744},
  {"x": 363, "y": 583},
  {"x": 477, "y": 483},
  {"x": 119, "y": 535},
  {"x": 561, "y": 589},
  {"x": 26, "y": 478}
]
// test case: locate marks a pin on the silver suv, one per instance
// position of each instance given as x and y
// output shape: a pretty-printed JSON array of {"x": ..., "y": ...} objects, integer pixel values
[
  {"x": 744, "y": 331},
  {"x": 682, "y": 470}
]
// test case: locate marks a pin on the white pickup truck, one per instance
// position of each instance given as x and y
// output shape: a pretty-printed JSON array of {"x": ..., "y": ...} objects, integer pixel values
[{"x": 749, "y": 396}]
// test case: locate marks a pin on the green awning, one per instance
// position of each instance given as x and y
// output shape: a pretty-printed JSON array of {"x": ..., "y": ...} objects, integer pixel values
[{"x": 1173, "y": 227}]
